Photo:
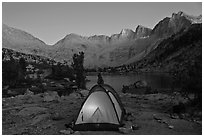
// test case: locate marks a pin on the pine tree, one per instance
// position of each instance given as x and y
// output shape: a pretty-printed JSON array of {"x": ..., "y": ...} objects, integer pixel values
[{"x": 77, "y": 65}]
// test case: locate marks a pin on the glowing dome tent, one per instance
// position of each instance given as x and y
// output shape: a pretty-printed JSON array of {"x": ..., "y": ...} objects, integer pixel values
[{"x": 102, "y": 110}]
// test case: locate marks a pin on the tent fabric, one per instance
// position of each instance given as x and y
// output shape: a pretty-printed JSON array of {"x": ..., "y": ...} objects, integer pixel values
[
  {"x": 98, "y": 105},
  {"x": 101, "y": 110},
  {"x": 117, "y": 106},
  {"x": 115, "y": 94},
  {"x": 108, "y": 88}
]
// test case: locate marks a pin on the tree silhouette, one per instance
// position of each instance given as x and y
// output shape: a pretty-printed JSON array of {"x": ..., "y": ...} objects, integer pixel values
[
  {"x": 77, "y": 65},
  {"x": 10, "y": 72},
  {"x": 22, "y": 64}
]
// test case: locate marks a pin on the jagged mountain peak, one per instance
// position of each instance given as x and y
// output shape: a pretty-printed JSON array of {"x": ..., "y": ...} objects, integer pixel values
[
  {"x": 193, "y": 19},
  {"x": 126, "y": 32},
  {"x": 98, "y": 37},
  {"x": 179, "y": 14},
  {"x": 142, "y": 31},
  {"x": 140, "y": 26},
  {"x": 126, "y": 46},
  {"x": 177, "y": 22}
]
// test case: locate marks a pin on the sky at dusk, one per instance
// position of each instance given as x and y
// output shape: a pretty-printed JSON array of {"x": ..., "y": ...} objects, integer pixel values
[{"x": 51, "y": 22}]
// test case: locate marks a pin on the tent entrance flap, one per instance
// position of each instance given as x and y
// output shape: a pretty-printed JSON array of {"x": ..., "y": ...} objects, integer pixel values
[{"x": 97, "y": 117}]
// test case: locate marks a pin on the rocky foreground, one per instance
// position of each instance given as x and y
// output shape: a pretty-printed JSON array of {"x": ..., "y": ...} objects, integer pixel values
[{"x": 48, "y": 114}]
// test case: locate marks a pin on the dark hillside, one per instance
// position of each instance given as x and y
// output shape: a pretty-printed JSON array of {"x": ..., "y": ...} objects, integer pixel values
[{"x": 177, "y": 51}]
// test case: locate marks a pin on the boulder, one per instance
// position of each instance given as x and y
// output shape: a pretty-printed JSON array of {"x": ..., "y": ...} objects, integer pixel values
[
  {"x": 57, "y": 116},
  {"x": 28, "y": 92},
  {"x": 51, "y": 96},
  {"x": 40, "y": 118},
  {"x": 32, "y": 111},
  {"x": 84, "y": 92},
  {"x": 140, "y": 84}
]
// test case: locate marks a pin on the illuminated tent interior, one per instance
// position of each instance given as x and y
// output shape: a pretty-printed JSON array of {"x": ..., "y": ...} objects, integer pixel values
[{"x": 101, "y": 110}]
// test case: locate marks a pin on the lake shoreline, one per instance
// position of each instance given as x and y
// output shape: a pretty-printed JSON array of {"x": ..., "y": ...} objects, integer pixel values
[
  {"x": 156, "y": 80},
  {"x": 126, "y": 73}
]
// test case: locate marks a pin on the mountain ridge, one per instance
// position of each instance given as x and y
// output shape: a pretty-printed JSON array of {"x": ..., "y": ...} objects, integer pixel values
[
  {"x": 102, "y": 50},
  {"x": 177, "y": 51}
]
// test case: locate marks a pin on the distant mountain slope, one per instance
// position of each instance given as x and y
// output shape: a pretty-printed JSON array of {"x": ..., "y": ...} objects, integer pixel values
[
  {"x": 22, "y": 41},
  {"x": 125, "y": 47},
  {"x": 176, "y": 51},
  {"x": 100, "y": 50},
  {"x": 35, "y": 60}
]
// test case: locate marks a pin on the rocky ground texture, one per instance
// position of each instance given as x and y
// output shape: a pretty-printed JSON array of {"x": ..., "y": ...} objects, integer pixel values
[{"x": 48, "y": 114}]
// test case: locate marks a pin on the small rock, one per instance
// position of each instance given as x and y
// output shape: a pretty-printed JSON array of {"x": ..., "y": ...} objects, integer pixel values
[
  {"x": 67, "y": 132},
  {"x": 156, "y": 117},
  {"x": 51, "y": 96},
  {"x": 28, "y": 92},
  {"x": 171, "y": 127},
  {"x": 160, "y": 121},
  {"x": 174, "y": 116},
  {"x": 164, "y": 122},
  {"x": 76, "y": 133},
  {"x": 44, "y": 84},
  {"x": 141, "y": 83},
  {"x": 125, "y": 130},
  {"x": 135, "y": 127}
]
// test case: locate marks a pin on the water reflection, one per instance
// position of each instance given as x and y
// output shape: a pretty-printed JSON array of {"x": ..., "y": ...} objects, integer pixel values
[{"x": 155, "y": 80}]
